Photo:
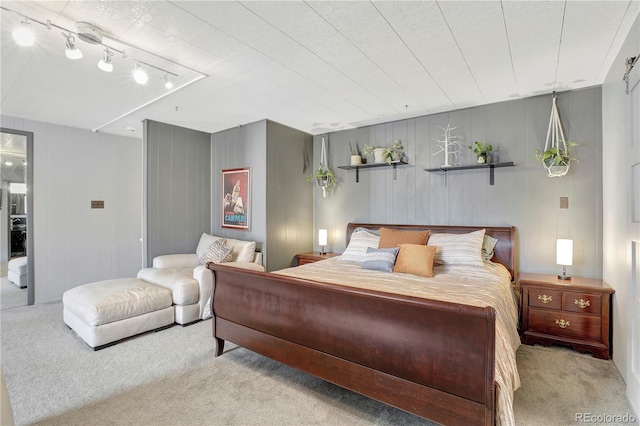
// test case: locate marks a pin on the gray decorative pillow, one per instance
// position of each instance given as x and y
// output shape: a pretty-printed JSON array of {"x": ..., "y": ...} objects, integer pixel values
[
  {"x": 218, "y": 252},
  {"x": 380, "y": 259}
]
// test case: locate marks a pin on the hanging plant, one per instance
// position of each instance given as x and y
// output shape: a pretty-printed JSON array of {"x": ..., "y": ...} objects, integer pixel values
[
  {"x": 323, "y": 176},
  {"x": 556, "y": 157}
]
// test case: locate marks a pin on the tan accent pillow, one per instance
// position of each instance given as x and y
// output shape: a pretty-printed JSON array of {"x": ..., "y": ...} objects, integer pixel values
[
  {"x": 416, "y": 259},
  {"x": 390, "y": 238}
]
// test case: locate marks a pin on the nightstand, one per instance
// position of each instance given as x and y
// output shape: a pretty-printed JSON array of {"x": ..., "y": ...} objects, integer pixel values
[
  {"x": 314, "y": 256},
  {"x": 574, "y": 312}
]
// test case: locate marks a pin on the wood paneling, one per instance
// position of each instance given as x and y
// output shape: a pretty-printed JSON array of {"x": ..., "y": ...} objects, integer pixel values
[
  {"x": 522, "y": 196},
  {"x": 74, "y": 244},
  {"x": 177, "y": 188},
  {"x": 281, "y": 200}
]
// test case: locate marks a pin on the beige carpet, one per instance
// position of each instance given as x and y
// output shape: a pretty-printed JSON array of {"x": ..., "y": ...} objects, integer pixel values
[
  {"x": 11, "y": 296},
  {"x": 172, "y": 378}
]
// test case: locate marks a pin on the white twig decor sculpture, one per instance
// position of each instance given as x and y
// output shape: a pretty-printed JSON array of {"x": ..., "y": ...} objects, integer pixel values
[{"x": 450, "y": 145}]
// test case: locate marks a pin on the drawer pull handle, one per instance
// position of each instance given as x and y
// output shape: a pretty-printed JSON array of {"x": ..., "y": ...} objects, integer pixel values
[
  {"x": 582, "y": 303},
  {"x": 544, "y": 298},
  {"x": 562, "y": 323}
]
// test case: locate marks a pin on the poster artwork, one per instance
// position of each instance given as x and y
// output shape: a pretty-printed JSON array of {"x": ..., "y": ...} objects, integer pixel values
[{"x": 235, "y": 198}]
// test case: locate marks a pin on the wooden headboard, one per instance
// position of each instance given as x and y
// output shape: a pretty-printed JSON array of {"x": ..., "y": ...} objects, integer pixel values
[{"x": 503, "y": 252}]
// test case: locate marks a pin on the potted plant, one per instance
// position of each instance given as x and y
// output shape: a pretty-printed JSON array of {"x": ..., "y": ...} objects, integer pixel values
[
  {"x": 323, "y": 177},
  {"x": 356, "y": 158},
  {"x": 556, "y": 160},
  {"x": 482, "y": 151},
  {"x": 390, "y": 154}
]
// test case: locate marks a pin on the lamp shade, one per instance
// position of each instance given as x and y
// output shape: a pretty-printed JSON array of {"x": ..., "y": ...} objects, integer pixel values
[
  {"x": 564, "y": 252},
  {"x": 322, "y": 237}
]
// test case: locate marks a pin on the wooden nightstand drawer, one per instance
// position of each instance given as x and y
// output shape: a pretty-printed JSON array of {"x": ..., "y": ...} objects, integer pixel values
[
  {"x": 574, "y": 312},
  {"x": 582, "y": 302},
  {"x": 559, "y": 323},
  {"x": 545, "y": 298},
  {"x": 305, "y": 260}
]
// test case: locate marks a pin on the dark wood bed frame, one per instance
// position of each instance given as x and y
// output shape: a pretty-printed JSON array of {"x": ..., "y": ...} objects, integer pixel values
[{"x": 431, "y": 358}]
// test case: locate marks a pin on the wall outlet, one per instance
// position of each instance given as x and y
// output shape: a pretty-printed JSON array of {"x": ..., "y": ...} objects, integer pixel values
[{"x": 97, "y": 204}]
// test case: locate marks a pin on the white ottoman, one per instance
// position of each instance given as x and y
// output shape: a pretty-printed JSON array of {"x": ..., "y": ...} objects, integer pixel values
[
  {"x": 18, "y": 271},
  {"x": 105, "y": 312}
]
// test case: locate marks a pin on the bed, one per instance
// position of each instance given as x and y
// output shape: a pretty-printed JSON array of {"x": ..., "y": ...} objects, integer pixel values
[{"x": 443, "y": 360}]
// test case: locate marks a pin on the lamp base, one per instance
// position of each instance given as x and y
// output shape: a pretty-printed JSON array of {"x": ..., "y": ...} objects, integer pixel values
[{"x": 564, "y": 277}]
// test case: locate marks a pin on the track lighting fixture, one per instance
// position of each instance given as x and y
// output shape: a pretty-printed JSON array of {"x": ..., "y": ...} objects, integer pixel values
[
  {"x": 72, "y": 51},
  {"x": 105, "y": 63},
  {"x": 23, "y": 34},
  {"x": 92, "y": 34},
  {"x": 167, "y": 83},
  {"x": 139, "y": 75}
]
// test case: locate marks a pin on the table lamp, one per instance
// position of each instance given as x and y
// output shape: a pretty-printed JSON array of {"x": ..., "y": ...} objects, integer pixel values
[
  {"x": 564, "y": 256},
  {"x": 322, "y": 240}
]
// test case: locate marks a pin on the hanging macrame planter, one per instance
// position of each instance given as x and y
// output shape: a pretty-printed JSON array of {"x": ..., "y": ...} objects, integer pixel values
[
  {"x": 555, "y": 158},
  {"x": 323, "y": 177}
]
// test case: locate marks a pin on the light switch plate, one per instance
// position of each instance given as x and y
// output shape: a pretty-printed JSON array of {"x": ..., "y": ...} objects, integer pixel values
[{"x": 564, "y": 202}]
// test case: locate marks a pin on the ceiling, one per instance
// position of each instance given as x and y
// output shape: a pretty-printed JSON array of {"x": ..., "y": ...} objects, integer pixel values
[{"x": 318, "y": 66}]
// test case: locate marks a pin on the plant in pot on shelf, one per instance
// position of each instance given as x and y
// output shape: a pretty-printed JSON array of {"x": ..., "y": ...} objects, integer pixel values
[
  {"x": 389, "y": 154},
  {"x": 556, "y": 160},
  {"x": 356, "y": 158},
  {"x": 482, "y": 151},
  {"x": 323, "y": 177}
]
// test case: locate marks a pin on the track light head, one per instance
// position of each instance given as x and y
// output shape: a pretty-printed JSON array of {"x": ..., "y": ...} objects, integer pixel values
[
  {"x": 23, "y": 34},
  {"x": 72, "y": 51},
  {"x": 105, "y": 63},
  {"x": 139, "y": 75}
]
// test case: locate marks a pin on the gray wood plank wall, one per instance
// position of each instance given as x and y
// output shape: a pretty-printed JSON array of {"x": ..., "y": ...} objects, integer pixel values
[
  {"x": 289, "y": 199},
  {"x": 235, "y": 148},
  {"x": 177, "y": 189},
  {"x": 281, "y": 202},
  {"x": 522, "y": 196}
]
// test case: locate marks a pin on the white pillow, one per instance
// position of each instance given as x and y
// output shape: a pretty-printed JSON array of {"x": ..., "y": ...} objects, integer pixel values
[
  {"x": 243, "y": 251},
  {"x": 356, "y": 251},
  {"x": 458, "y": 249}
]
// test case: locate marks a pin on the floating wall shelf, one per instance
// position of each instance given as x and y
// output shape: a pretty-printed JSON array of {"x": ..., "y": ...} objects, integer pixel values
[
  {"x": 489, "y": 166},
  {"x": 372, "y": 165}
]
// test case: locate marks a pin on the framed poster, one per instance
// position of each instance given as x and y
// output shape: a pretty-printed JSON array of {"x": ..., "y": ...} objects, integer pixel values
[{"x": 236, "y": 202}]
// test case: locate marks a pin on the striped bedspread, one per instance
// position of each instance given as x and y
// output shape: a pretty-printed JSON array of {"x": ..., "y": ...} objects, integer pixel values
[{"x": 489, "y": 285}]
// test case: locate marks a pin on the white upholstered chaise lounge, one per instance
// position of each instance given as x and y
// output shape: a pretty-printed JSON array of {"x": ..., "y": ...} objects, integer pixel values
[{"x": 177, "y": 289}]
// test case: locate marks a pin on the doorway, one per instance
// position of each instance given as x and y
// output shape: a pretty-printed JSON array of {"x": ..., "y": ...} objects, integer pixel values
[{"x": 16, "y": 214}]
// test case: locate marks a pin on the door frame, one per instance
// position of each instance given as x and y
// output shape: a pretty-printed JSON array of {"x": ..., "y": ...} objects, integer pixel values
[{"x": 29, "y": 180}]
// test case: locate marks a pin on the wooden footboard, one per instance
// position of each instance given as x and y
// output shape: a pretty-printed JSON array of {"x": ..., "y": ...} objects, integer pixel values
[{"x": 434, "y": 359}]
